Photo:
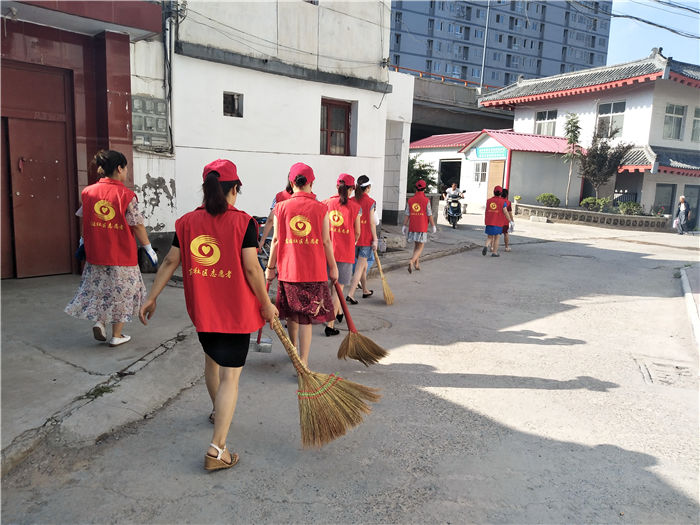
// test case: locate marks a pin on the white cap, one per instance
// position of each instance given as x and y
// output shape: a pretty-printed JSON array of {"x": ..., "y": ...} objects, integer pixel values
[{"x": 365, "y": 184}]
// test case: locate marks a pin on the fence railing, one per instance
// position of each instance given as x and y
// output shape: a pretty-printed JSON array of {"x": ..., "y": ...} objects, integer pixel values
[{"x": 442, "y": 78}]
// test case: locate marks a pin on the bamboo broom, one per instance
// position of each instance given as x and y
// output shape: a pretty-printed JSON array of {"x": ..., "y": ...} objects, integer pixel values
[
  {"x": 355, "y": 345},
  {"x": 328, "y": 404},
  {"x": 388, "y": 296}
]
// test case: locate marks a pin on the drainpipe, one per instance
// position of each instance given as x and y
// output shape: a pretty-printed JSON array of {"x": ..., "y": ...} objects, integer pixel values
[
  {"x": 483, "y": 55},
  {"x": 508, "y": 159}
]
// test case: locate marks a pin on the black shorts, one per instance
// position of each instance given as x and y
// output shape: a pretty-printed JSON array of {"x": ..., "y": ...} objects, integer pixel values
[{"x": 228, "y": 350}]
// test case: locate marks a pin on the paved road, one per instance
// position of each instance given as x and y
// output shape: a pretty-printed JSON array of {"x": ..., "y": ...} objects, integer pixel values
[{"x": 557, "y": 383}]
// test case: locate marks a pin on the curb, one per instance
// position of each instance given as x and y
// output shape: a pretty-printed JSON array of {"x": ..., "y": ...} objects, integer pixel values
[{"x": 691, "y": 307}]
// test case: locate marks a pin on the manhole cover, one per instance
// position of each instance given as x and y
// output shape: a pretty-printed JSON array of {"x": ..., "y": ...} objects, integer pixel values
[
  {"x": 666, "y": 373},
  {"x": 364, "y": 322}
]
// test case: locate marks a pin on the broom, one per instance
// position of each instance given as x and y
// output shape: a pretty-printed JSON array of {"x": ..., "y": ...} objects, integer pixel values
[
  {"x": 328, "y": 404},
  {"x": 355, "y": 345},
  {"x": 388, "y": 296},
  {"x": 260, "y": 345}
]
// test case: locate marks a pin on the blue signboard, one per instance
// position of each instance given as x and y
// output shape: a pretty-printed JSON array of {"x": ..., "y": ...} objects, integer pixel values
[{"x": 493, "y": 152}]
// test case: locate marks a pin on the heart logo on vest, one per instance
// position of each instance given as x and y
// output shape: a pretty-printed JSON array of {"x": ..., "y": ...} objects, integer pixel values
[
  {"x": 416, "y": 207},
  {"x": 205, "y": 250},
  {"x": 493, "y": 206},
  {"x": 300, "y": 226},
  {"x": 104, "y": 210},
  {"x": 336, "y": 218}
]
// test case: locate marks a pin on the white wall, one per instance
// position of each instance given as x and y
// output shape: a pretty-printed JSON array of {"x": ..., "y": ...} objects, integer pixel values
[
  {"x": 651, "y": 180},
  {"x": 280, "y": 126},
  {"x": 670, "y": 92},
  {"x": 532, "y": 174},
  {"x": 637, "y": 120},
  {"x": 348, "y": 38}
]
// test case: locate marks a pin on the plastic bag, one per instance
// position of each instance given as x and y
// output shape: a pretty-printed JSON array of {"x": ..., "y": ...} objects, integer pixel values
[
  {"x": 511, "y": 227},
  {"x": 675, "y": 222}
]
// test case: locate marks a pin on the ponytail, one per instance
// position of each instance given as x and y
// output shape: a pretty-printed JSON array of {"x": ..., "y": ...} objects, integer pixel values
[
  {"x": 289, "y": 188},
  {"x": 343, "y": 191},
  {"x": 359, "y": 189},
  {"x": 215, "y": 193},
  {"x": 300, "y": 181}
]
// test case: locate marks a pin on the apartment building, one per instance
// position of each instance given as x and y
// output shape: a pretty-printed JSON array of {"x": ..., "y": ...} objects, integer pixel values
[{"x": 494, "y": 42}]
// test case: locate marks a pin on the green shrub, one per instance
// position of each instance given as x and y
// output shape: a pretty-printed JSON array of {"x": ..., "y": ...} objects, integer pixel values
[
  {"x": 548, "y": 199},
  {"x": 589, "y": 203},
  {"x": 631, "y": 208}
]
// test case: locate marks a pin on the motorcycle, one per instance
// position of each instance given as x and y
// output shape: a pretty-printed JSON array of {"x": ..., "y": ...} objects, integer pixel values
[
  {"x": 264, "y": 251},
  {"x": 453, "y": 209}
]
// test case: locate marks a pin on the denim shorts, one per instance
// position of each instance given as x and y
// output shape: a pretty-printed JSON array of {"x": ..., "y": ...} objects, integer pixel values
[{"x": 363, "y": 251}]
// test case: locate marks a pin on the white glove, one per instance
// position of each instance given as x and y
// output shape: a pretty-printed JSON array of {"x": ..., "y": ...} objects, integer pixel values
[
  {"x": 152, "y": 255},
  {"x": 404, "y": 230},
  {"x": 511, "y": 227},
  {"x": 434, "y": 229}
]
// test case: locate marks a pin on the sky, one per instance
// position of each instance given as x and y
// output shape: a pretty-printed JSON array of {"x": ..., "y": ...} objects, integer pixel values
[{"x": 631, "y": 40}]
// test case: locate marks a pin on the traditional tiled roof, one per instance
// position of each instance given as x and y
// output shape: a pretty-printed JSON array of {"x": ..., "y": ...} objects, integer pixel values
[
  {"x": 524, "y": 141},
  {"x": 667, "y": 160},
  {"x": 449, "y": 140},
  {"x": 595, "y": 79}
]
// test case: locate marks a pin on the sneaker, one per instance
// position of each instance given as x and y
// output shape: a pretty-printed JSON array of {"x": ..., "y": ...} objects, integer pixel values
[
  {"x": 116, "y": 341},
  {"x": 483, "y": 252},
  {"x": 98, "y": 331},
  {"x": 331, "y": 331}
]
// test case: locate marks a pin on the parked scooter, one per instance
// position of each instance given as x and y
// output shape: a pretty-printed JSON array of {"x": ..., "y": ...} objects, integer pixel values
[{"x": 453, "y": 208}]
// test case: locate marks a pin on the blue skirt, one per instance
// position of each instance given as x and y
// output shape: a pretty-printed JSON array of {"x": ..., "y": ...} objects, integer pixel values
[{"x": 494, "y": 230}]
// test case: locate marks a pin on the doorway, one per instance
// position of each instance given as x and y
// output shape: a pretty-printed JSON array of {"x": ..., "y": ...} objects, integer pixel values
[
  {"x": 38, "y": 171},
  {"x": 692, "y": 197},
  {"x": 450, "y": 170},
  {"x": 496, "y": 172}
]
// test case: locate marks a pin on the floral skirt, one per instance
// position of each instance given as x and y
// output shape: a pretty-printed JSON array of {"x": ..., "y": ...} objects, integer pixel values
[
  {"x": 417, "y": 237},
  {"x": 111, "y": 294},
  {"x": 305, "y": 303}
]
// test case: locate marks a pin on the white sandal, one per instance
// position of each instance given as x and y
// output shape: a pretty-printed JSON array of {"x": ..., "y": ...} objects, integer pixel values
[{"x": 217, "y": 463}]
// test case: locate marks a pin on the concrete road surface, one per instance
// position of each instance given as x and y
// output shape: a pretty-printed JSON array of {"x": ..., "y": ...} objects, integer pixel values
[{"x": 555, "y": 384}]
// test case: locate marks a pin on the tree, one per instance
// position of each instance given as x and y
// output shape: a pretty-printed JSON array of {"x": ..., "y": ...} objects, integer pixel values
[
  {"x": 420, "y": 170},
  {"x": 601, "y": 161},
  {"x": 572, "y": 132}
]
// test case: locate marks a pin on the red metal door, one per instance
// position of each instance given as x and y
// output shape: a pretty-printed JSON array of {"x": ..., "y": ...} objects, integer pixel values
[
  {"x": 7, "y": 264},
  {"x": 40, "y": 206}
]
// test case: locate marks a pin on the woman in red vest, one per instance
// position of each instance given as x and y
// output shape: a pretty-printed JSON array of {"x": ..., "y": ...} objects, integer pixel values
[
  {"x": 507, "y": 225},
  {"x": 224, "y": 292},
  {"x": 344, "y": 214},
  {"x": 495, "y": 216},
  {"x": 279, "y": 197},
  {"x": 111, "y": 289},
  {"x": 416, "y": 217},
  {"x": 302, "y": 255},
  {"x": 367, "y": 242}
]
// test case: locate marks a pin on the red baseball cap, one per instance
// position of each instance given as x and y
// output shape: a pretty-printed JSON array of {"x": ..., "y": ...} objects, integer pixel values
[
  {"x": 497, "y": 189},
  {"x": 420, "y": 185},
  {"x": 301, "y": 169},
  {"x": 348, "y": 179},
  {"x": 225, "y": 168}
]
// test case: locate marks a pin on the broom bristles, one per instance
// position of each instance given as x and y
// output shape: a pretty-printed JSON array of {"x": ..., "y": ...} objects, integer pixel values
[
  {"x": 361, "y": 348},
  {"x": 328, "y": 404},
  {"x": 388, "y": 296}
]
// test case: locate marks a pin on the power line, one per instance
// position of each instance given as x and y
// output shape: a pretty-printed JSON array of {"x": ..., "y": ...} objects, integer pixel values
[
  {"x": 646, "y": 4},
  {"x": 678, "y": 6}
]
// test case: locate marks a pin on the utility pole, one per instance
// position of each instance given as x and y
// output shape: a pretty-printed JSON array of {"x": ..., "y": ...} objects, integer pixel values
[{"x": 486, "y": 36}]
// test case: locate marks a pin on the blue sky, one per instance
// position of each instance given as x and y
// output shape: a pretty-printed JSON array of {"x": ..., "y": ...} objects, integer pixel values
[{"x": 632, "y": 40}]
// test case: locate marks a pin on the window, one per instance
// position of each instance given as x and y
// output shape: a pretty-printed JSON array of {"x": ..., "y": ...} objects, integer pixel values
[
  {"x": 430, "y": 46},
  {"x": 476, "y": 72},
  {"x": 397, "y": 18},
  {"x": 498, "y": 19},
  {"x": 480, "y": 171},
  {"x": 695, "y": 136},
  {"x": 397, "y": 60},
  {"x": 397, "y": 40},
  {"x": 611, "y": 117},
  {"x": 478, "y": 33},
  {"x": 335, "y": 127},
  {"x": 673, "y": 122},
  {"x": 500, "y": 38},
  {"x": 664, "y": 197},
  {"x": 428, "y": 65},
  {"x": 431, "y": 24},
  {"x": 233, "y": 104},
  {"x": 546, "y": 122}
]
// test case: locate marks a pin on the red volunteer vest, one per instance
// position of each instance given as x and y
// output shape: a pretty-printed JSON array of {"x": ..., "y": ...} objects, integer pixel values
[
  {"x": 506, "y": 222},
  {"x": 366, "y": 202},
  {"x": 300, "y": 254},
  {"x": 418, "y": 209},
  {"x": 342, "y": 219},
  {"x": 282, "y": 196},
  {"x": 108, "y": 238},
  {"x": 494, "y": 212},
  {"x": 217, "y": 294}
]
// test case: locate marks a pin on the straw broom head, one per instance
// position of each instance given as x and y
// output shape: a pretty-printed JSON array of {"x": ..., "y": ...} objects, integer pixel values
[
  {"x": 328, "y": 404},
  {"x": 361, "y": 348},
  {"x": 388, "y": 296}
]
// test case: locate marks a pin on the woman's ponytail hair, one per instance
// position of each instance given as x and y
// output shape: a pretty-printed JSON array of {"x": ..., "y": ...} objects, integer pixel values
[
  {"x": 289, "y": 188},
  {"x": 215, "y": 193},
  {"x": 343, "y": 192},
  {"x": 300, "y": 181},
  {"x": 108, "y": 161},
  {"x": 359, "y": 189}
]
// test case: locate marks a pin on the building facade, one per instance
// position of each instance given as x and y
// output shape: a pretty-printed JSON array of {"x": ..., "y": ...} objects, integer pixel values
[
  {"x": 510, "y": 38},
  {"x": 652, "y": 103}
]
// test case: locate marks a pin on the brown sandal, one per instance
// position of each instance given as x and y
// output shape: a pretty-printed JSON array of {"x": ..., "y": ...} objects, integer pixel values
[{"x": 217, "y": 463}]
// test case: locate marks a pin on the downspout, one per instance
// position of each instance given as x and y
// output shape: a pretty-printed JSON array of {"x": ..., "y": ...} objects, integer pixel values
[{"x": 508, "y": 159}]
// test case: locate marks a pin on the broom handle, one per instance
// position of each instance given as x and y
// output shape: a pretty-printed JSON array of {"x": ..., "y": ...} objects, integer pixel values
[
  {"x": 344, "y": 306},
  {"x": 267, "y": 289},
  {"x": 289, "y": 347},
  {"x": 379, "y": 264}
]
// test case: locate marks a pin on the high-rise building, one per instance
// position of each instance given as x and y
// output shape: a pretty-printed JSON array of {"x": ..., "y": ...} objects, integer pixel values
[{"x": 532, "y": 38}]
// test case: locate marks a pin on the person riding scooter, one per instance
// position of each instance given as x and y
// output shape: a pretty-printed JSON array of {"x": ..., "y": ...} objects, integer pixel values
[{"x": 453, "y": 205}]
